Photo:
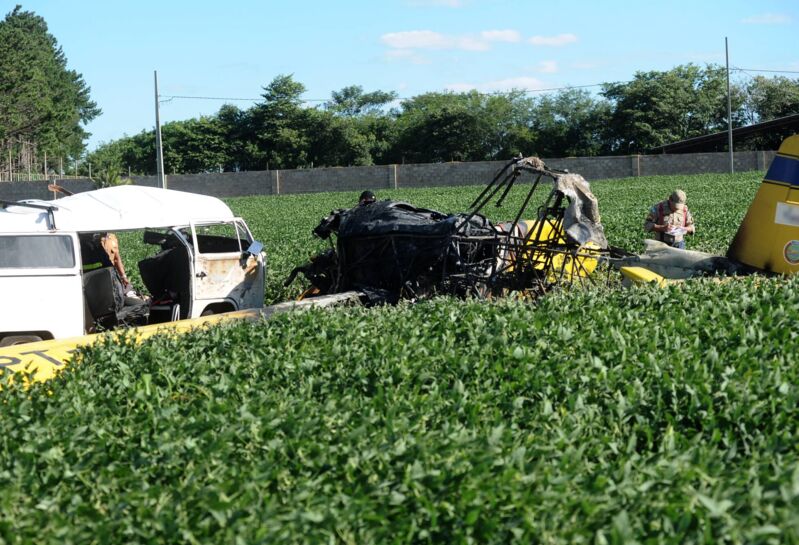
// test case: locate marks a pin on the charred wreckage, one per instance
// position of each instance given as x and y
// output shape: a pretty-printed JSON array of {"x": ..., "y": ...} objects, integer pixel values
[{"x": 391, "y": 250}]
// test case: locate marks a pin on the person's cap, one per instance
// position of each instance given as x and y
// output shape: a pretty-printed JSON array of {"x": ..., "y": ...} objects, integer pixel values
[
  {"x": 366, "y": 196},
  {"x": 678, "y": 198}
]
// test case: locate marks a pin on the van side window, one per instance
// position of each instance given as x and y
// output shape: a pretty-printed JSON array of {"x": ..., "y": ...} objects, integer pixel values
[
  {"x": 36, "y": 252},
  {"x": 220, "y": 238}
]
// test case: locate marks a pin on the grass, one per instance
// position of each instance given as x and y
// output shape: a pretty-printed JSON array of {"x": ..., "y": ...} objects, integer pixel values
[{"x": 593, "y": 416}]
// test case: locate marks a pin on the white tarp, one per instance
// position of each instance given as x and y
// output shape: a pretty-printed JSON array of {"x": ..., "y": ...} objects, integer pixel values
[{"x": 116, "y": 209}]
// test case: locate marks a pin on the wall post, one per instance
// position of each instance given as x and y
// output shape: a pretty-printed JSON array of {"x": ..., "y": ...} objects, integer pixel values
[
  {"x": 635, "y": 165},
  {"x": 274, "y": 181}
]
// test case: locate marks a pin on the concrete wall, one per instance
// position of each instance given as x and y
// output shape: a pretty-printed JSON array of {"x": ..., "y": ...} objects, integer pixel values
[
  {"x": 16, "y": 191},
  {"x": 222, "y": 184},
  {"x": 282, "y": 182},
  {"x": 334, "y": 179},
  {"x": 654, "y": 165}
]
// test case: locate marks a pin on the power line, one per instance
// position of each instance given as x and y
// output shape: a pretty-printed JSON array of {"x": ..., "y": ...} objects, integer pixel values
[
  {"x": 168, "y": 98},
  {"x": 171, "y": 97},
  {"x": 770, "y": 71}
]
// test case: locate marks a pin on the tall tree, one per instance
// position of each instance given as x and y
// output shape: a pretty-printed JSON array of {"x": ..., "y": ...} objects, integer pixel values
[
  {"x": 352, "y": 101},
  {"x": 463, "y": 127},
  {"x": 770, "y": 98},
  {"x": 41, "y": 100},
  {"x": 767, "y": 99},
  {"x": 570, "y": 123},
  {"x": 657, "y": 108},
  {"x": 278, "y": 125}
]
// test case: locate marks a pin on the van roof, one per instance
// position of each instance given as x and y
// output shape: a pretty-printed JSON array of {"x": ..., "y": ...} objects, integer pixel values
[{"x": 115, "y": 209}]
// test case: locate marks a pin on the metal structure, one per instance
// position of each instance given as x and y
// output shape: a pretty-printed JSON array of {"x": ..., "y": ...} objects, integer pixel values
[
  {"x": 394, "y": 250},
  {"x": 159, "y": 148},
  {"x": 563, "y": 244}
]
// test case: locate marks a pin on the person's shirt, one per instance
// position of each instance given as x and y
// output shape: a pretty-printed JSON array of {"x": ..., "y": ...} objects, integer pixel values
[
  {"x": 93, "y": 256},
  {"x": 678, "y": 221},
  {"x": 110, "y": 244}
]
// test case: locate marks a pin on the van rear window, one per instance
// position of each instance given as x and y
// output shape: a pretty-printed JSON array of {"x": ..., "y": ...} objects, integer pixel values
[{"x": 36, "y": 252}]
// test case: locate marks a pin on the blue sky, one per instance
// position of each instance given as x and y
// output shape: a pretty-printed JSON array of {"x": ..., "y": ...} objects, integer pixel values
[{"x": 233, "y": 48}]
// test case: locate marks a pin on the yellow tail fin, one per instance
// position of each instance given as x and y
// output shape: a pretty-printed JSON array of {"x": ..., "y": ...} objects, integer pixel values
[{"x": 768, "y": 237}]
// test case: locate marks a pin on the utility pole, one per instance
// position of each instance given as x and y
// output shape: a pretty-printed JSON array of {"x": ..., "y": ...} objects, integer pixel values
[
  {"x": 159, "y": 150},
  {"x": 729, "y": 107},
  {"x": 45, "y": 166}
]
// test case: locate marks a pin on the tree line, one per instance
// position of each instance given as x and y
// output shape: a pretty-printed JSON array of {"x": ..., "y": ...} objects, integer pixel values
[
  {"x": 45, "y": 106},
  {"x": 362, "y": 128}
]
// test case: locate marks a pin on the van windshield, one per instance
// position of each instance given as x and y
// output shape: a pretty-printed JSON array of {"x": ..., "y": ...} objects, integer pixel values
[{"x": 36, "y": 252}]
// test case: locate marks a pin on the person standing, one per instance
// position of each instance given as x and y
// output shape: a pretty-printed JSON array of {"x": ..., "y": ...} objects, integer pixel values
[{"x": 670, "y": 220}]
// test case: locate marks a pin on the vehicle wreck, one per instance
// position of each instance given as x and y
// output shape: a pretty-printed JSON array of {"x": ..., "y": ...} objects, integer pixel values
[
  {"x": 392, "y": 250},
  {"x": 204, "y": 261}
]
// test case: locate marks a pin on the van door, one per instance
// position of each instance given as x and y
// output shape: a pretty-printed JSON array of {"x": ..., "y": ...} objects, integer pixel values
[
  {"x": 223, "y": 272},
  {"x": 40, "y": 285}
]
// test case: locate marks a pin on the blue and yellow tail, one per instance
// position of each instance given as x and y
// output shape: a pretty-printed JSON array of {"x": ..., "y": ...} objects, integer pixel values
[{"x": 768, "y": 237}]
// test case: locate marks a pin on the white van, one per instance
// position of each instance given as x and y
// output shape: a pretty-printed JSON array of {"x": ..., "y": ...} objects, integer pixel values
[{"x": 204, "y": 261}]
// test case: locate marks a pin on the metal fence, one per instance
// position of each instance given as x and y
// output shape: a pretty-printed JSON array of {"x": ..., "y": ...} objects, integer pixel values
[{"x": 35, "y": 177}]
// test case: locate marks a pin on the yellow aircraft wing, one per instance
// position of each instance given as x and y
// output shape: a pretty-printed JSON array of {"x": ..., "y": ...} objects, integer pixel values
[{"x": 43, "y": 360}]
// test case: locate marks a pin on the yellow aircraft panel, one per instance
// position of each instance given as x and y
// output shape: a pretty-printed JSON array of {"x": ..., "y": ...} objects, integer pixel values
[
  {"x": 640, "y": 275},
  {"x": 43, "y": 360},
  {"x": 768, "y": 237},
  {"x": 46, "y": 358}
]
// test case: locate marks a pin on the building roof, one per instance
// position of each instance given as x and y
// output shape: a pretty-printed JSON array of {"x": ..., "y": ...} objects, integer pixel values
[
  {"x": 114, "y": 209},
  {"x": 708, "y": 141}
]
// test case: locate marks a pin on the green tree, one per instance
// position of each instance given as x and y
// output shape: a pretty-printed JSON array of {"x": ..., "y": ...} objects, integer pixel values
[
  {"x": 136, "y": 153},
  {"x": 110, "y": 174},
  {"x": 237, "y": 130},
  {"x": 767, "y": 99},
  {"x": 463, "y": 127},
  {"x": 658, "y": 108},
  {"x": 771, "y": 98},
  {"x": 194, "y": 145},
  {"x": 279, "y": 126},
  {"x": 570, "y": 123},
  {"x": 41, "y": 100},
  {"x": 338, "y": 141},
  {"x": 352, "y": 101}
]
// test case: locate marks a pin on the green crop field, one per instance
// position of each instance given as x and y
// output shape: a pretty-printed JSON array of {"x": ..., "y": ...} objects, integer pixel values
[
  {"x": 592, "y": 416},
  {"x": 718, "y": 201}
]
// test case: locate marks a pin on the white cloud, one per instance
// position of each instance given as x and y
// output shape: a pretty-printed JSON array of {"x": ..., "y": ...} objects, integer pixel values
[
  {"x": 427, "y": 39},
  {"x": 468, "y": 43},
  {"x": 499, "y": 85},
  {"x": 510, "y": 36},
  {"x": 554, "y": 41},
  {"x": 401, "y": 43},
  {"x": 548, "y": 67},
  {"x": 767, "y": 19}
]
